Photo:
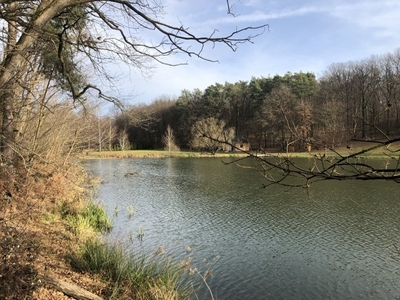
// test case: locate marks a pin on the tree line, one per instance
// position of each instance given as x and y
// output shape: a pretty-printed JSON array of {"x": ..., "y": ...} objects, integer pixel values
[{"x": 355, "y": 100}]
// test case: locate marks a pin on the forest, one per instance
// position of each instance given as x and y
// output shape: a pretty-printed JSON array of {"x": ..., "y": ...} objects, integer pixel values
[
  {"x": 351, "y": 101},
  {"x": 355, "y": 100}
]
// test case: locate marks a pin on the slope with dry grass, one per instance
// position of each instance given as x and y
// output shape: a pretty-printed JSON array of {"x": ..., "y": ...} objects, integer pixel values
[
  {"x": 51, "y": 247},
  {"x": 34, "y": 238}
]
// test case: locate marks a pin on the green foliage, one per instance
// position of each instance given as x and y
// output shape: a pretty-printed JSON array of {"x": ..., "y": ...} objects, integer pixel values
[
  {"x": 97, "y": 217},
  {"x": 213, "y": 100},
  {"x": 242, "y": 106}
]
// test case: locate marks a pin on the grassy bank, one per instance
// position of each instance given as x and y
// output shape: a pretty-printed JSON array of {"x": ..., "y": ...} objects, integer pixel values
[
  {"x": 49, "y": 238},
  {"x": 343, "y": 150},
  {"x": 126, "y": 276},
  {"x": 153, "y": 154},
  {"x": 36, "y": 231},
  {"x": 131, "y": 277}
]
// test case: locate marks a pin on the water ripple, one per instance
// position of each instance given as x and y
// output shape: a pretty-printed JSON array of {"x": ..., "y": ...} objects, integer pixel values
[{"x": 336, "y": 241}]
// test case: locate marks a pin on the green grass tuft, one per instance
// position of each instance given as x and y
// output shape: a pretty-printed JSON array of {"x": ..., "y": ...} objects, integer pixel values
[
  {"x": 93, "y": 216},
  {"x": 97, "y": 217},
  {"x": 131, "y": 275}
]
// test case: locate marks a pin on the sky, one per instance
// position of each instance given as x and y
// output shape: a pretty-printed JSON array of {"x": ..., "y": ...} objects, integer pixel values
[{"x": 303, "y": 36}]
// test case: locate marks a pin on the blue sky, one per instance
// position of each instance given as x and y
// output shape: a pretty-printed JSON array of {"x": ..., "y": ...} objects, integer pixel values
[{"x": 306, "y": 35}]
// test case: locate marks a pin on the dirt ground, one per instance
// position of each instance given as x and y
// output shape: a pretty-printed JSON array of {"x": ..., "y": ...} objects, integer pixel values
[{"x": 32, "y": 246}]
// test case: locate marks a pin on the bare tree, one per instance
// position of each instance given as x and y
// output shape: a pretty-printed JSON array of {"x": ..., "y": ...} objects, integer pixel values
[
  {"x": 123, "y": 140},
  {"x": 279, "y": 116},
  {"x": 331, "y": 121},
  {"x": 210, "y": 134},
  {"x": 169, "y": 140},
  {"x": 67, "y": 36}
]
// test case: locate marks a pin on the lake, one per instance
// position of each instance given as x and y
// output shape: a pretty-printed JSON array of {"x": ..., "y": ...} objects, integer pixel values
[{"x": 336, "y": 240}]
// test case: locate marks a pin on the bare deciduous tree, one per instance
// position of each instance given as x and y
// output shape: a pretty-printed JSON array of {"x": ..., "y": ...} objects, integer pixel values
[
  {"x": 123, "y": 140},
  {"x": 169, "y": 140},
  {"x": 61, "y": 38},
  {"x": 210, "y": 134}
]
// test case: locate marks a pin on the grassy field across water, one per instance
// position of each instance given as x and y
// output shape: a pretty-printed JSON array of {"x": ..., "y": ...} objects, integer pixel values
[
  {"x": 155, "y": 154},
  {"x": 343, "y": 151}
]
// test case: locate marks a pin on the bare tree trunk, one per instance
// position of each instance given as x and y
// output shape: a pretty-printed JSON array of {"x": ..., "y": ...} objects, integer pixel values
[
  {"x": 110, "y": 136},
  {"x": 100, "y": 134},
  {"x": 14, "y": 63},
  {"x": 7, "y": 95}
]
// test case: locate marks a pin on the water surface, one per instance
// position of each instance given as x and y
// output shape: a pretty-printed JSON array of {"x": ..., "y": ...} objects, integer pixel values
[{"x": 335, "y": 241}]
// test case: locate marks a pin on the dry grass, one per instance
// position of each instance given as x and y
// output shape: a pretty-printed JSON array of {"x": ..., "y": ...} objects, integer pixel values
[
  {"x": 46, "y": 230},
  {"x": 343, "y": 150},
  {"x": 33, "y": 239},
  {"x": 132, "y": 276},
  {"x": 153, "y": 154}
]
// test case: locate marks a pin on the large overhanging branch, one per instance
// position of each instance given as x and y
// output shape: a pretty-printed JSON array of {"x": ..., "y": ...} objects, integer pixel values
[
  {"x": 173, "y": 38},
  {"x": 119, "y": 39},
  {"x": 78, "y": 94},
  {"x": 286, "y": 170},
  {"x": 125, "y": 19}
]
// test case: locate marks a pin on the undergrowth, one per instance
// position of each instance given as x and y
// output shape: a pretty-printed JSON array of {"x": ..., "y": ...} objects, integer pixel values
[
  {"x": 49, "y": 228},
  {"x": 126, "y": 276},
  {"x": 129, "y": 276},
  {"x": 92, "y": 216}
]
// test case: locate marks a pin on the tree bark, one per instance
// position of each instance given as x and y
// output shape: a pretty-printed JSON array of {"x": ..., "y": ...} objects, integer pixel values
[
  {"x": 6, "y": 97},
  {"x": 15, "y": 62}
]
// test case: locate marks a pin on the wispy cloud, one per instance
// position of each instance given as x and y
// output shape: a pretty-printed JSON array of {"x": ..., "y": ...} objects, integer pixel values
[
  {"x": 369, "y": 13},
  {"x": 258, "y": 16},
  {"x": 305, "y": 35},
  {"x": 361, "y": 13}
]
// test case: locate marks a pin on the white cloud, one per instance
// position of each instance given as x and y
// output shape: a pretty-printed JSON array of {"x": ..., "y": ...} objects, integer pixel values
[{"x": 369, "y": 14}]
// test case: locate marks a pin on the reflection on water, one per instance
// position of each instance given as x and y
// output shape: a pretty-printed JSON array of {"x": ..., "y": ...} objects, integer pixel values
[{"x": 336, "y": 241}]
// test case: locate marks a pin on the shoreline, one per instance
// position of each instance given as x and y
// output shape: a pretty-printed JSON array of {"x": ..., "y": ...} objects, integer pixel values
[{"x": 340, "y": 151}]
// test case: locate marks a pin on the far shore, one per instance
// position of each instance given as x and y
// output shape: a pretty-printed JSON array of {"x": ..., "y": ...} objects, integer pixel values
[
  {"x": 343, "y": 151},
  {"x": 155, "y": 154}
]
